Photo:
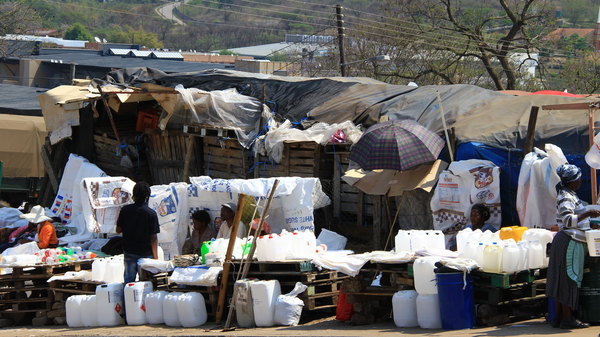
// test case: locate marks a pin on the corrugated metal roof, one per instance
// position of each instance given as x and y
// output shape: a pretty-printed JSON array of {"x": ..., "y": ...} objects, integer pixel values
[
  {"x": 119, "y": 52},
  {"x": 140, "y": 53},
  {"x": 166, "y": 55}
]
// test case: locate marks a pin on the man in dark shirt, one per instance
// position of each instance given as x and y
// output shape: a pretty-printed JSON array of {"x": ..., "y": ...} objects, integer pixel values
[{"x": 139, "y": 226}]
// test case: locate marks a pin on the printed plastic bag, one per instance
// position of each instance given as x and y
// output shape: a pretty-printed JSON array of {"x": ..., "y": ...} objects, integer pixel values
[{"x": 288, "y": 307}]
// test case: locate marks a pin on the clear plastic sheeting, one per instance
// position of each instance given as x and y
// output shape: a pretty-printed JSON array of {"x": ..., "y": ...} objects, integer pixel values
[
  {"x": 226, "y": 109},
  {"x": 319, "y": 133}
]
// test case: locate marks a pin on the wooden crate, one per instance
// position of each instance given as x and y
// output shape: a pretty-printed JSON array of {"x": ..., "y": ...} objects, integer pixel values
[
  {"x": 166, "y": 155},
  {"x": 299, "y": 159},
  {"x": 225, "y": 158}
]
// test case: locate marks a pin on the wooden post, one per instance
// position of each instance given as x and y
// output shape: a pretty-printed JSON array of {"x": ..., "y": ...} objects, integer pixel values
[
  {"x": 340, "y": 26},
  {"x": 252, "y": 250},
  {"x": 531, "y": 130},
  {"x": 188, "y": 159},
  {"x": 227, "y": 263},
  {"x": 377, "y": 221},
  {"x": 109, "y": 112},
  {"x": 594, "y": 183},
  {"x": 337, "y": 193}
]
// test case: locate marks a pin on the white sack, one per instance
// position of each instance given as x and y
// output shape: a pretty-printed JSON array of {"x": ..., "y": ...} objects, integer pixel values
[
  {"x": 465, "y": 183},
  {"x": 196, "y": 275},
  {"x": 536, "y": 191},
  {"x": 288, "y": 307}
]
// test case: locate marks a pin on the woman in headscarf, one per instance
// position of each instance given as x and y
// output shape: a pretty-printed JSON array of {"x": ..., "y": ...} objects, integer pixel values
[{"x": 568, "y": 249}]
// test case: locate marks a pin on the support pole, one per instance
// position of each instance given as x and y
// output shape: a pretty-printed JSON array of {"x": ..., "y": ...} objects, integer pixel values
[
  {"x": 340, "y": 25},
  {"x": 227, "y": 263},
  {"x": 248, "y": 259},
  {"x": 531, "y": 129}
]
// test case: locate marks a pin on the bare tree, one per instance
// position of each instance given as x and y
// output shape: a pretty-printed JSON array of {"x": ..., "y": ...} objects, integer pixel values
[
  {"x": 449, "y": 39},
  {"x": 16, "y": 17}
]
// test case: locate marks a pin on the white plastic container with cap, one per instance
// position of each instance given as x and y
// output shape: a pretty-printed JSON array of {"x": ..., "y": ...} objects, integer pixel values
[
  {"x": 264, "y": 298},
  {"x": 403, "y": 241},
  {"x": 428, "y": 311},
  {"x": 109, "y": 303},
  {"x": 135, "y": 295},
  {"x": 170, "y": 312},
  {"x": 492, "y": 258},
  {"x": 424, "y": 277},
  {"x": 154, "y": 307},
  {"x": 593, "y": 241},
  {"x": 74, "y": 311},
  {"x": 510, "y": 256},
  {"x": 89, "y": 311},
  {"x": 191, "y": 309},
  {"x": 404, "y": 304}
]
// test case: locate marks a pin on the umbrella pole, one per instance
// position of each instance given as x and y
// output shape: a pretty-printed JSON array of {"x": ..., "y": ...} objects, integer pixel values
[
  {"x": 394, "y": 223},
  {"x": 445, "y": 127}
]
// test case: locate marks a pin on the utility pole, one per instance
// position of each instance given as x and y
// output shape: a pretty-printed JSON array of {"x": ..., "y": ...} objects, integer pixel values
[{"x": 340, "y": 25}]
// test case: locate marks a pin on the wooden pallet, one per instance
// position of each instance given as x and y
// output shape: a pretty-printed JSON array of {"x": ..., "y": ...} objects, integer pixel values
[
  {"x": 41, "y": 271},
  {"x": 507, "y": 280},
  {"x": 299, "y": 159},
  {"x": 74, "y": 287}
]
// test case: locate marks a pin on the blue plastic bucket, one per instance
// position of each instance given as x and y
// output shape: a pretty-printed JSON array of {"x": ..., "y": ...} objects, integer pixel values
[{"x": 457, "y": 301}]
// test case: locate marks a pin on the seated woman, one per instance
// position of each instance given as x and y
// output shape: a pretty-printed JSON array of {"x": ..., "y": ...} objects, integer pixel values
[
  {"x": 46, "y": 232},
  {"x": 203, "y": 231},
  {"x": 479, "y": 215}
]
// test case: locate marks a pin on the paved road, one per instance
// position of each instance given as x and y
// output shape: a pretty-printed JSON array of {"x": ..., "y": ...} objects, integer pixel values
[
  {"x": 323, "y": 327},
  {"x": 166, "y": 11}
]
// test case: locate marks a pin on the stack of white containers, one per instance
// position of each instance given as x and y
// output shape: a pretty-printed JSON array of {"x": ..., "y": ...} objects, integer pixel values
[
  {"x": 495, "y": 255},
  {"x": 419, "y": 307},
  {"x": 144, "y": 306}
]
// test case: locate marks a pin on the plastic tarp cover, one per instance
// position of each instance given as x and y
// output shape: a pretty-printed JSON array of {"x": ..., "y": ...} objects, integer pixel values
[
  {"x": 21, "y": 140},
  {"x": 226, "y": 109}
]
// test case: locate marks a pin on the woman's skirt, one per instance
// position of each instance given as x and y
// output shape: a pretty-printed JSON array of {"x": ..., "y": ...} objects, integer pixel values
[{"x": 558, "y": 284}]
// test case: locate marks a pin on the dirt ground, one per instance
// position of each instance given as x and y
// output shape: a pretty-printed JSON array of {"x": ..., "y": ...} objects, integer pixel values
[{"x": 327, "y": 326}]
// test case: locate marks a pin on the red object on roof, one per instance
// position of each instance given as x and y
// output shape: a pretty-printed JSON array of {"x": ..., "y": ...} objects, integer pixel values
[{"x": 554, "y": 92}]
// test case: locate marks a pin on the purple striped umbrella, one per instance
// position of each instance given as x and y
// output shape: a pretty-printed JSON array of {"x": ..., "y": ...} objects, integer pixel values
[{"x": 396, "y": 145}]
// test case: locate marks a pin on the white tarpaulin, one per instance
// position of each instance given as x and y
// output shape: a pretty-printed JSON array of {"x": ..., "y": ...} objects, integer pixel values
[
  {"x": 536, "y": 193},
  {"x": 292, "y": 205},
  {"x": 68, "y": 199},
  {"x": 465, "y": 183},
  {"x": 169, "y": 203}
]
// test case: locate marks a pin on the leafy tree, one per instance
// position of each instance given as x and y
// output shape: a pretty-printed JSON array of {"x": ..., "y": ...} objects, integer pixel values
[
  {"x": 576, "y": 10},
  {"x": 582, "y": 74},
  {"x": 132, "y": 36},
  {"x": 78, "y": 32},
  {"x": 16, "y": 17}
]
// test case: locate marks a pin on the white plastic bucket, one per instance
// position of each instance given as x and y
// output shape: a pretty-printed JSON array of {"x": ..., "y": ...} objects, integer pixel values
[
  {"x": 109, "y": 303},
  {"x": 593, "y": 242},
  {"x": 264, "y": 298},
  {"x": 424, "y": 277},
  {"x": 404, "y": 304},
  {"x": 74, "y": 311},
  {"x": 135, "y": 293},
  {"x": 191, "y": 309},
  {"x": 89, "y": 311},
  {"x": 170, "y": 312},
  {"x": 154, "y": 307},
  {"x": 428, "y": 311}
]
